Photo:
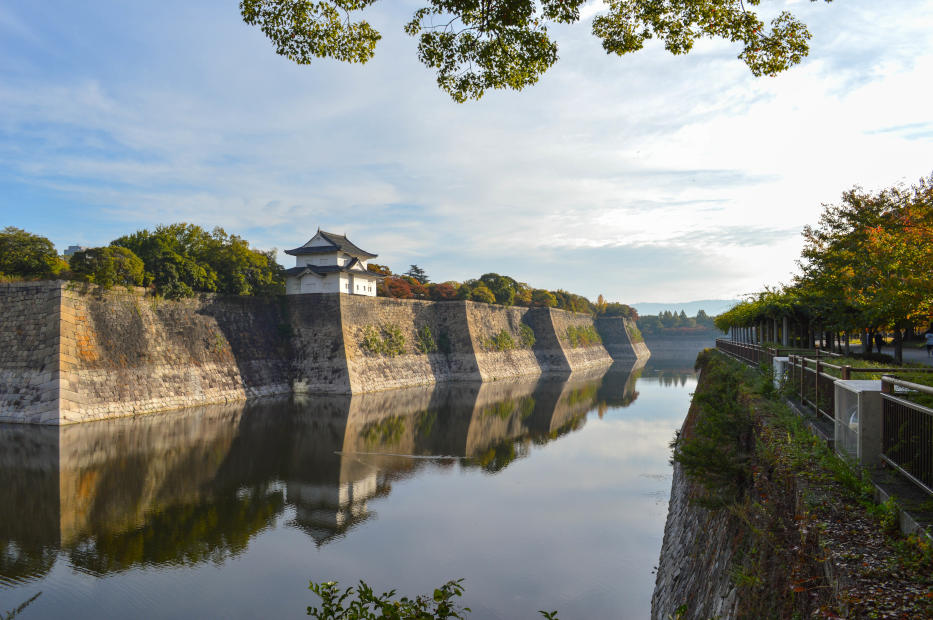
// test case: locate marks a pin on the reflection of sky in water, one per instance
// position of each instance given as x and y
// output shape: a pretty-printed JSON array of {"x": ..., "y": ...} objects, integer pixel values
[{"x": 573, "y": 523}]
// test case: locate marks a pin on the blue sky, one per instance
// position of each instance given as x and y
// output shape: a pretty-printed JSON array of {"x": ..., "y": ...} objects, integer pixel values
[{"x": 645, "y": 178}]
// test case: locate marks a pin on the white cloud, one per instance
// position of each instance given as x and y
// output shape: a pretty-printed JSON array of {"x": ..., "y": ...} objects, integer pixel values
[{"x": 687, "y": 160}]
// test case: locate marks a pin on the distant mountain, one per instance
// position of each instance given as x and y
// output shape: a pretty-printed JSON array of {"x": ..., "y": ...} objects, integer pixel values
[{"x": 712, "y": 307}]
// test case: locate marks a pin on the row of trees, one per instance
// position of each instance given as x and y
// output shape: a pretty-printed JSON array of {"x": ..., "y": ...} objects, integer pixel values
[
  {"x": 176, "y": 260},
  {"x": 866, "y": 266},
  {"x": 491, "y": 288},
  {"x": 667, "y": 320},
  {"x": 181, "y": 259}
]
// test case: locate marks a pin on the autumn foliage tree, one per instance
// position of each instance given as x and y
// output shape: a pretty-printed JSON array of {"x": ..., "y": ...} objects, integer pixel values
[
  {"x": 494, "y": 288},
  {"x": 866, "y": 265}
]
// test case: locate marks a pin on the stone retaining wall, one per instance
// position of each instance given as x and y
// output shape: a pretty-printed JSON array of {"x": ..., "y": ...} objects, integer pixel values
[
  {"x": 123, "y": 353},
  {"x": 615, "y": 334},
  {"x": 437, "y": 344},
  {"x": 29, "y": 351},
  {"x": 580, "y": 356},
  {"x": 485, "y": 323},
  {"x": 71, "y": 353}
]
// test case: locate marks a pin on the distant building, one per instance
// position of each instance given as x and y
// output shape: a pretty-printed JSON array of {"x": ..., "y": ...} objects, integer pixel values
[
  {"x": 330, "y": 263},
  {"x": 72, "y": 249}
]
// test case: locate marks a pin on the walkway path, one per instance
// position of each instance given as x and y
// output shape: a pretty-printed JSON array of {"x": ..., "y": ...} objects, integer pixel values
[{"x": 911, "y": 355}]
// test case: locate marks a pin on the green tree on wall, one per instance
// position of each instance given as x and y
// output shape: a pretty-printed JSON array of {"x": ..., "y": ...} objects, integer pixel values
[
  {"x": 25, "y": 255},
  {"x": 108, "y": 267},
  {"x": 542, "y": 298},
  {"x": 417, "y": 273},
  {"x": 182, "y": 258},
  {"x": 483, "y": 294}
]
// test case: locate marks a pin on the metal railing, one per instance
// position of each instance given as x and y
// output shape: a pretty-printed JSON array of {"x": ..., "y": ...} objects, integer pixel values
[
  {"x": 907, "y": 432},
  {"x": 907, "y": 426},
  {"x": 815, "y": 387},
  {"x": 751, "y": 353}
]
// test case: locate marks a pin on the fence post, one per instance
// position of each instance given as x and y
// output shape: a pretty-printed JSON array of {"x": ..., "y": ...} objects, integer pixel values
[
  {"x": 816, "y": 388},
  {"x": 846, "y": 370},
  {"x": 886, "y": 387},
  {"x": 803, "y": 374}
]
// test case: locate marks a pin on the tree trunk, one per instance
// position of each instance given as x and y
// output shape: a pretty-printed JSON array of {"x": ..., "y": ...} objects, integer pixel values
[
  {"x": 848, "y": 337},
  {"x": 898, "y": 346}
]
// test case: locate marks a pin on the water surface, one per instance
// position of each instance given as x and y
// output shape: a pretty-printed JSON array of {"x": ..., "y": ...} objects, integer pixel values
[{"x": 544, "y": 494}]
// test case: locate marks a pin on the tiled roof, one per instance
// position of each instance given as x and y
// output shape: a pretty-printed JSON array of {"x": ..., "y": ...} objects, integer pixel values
[
  {"x": 338, "y": 242},
  {"x": 323, "y": 270}
]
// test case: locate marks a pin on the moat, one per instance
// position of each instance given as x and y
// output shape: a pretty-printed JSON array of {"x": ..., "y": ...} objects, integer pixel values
[{"x": 547, "y": 493}]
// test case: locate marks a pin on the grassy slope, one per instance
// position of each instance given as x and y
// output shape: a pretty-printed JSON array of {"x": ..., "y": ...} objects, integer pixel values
[{"x": 798, "y": 512}]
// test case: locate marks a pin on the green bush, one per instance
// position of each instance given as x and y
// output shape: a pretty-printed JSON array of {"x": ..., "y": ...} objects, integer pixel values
[
  {"x": 426, "y": 342},
  {"x": 582, "y": 336},
  {"x": 500, "y": 342},
  {"x": 388, "y": 340},
  {"x": 362, "y": 603},
  {"x": 527, "y": 336},
  {"x": 393, "y": 340},
  {"x": 717, "y": 449}
]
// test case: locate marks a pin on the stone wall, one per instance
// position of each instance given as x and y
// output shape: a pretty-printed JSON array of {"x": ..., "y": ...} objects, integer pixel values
[
  {"x": 29, "y": 351},
  {"x": 696, "y": 562},
  {"x": 580, "y": 356},
  {"x": 615, "y": 332},
  {"x": 485, "y": 322},
  {"x": 318, "y": 363},
  {"x": 446, "y": 353},
  {"x": 124, "y": 353},
  {"x": 72, "y": 353}
]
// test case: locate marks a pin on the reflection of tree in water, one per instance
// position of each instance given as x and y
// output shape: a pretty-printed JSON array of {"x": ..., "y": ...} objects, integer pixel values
[
  {"x": 503, "y": 410},
  {"x": 183, "y": 535},
  {"x": 501, "y": 454},
  {"x": 498, "y": 456},
  {"x": 385, "y": 432},
  {"x": 20, "y": 564},
  {"x": 584, "y": 394},
  {"x": 672, "y": 377}
]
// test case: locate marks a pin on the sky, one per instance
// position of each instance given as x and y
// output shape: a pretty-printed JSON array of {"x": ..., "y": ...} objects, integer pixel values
[{"x": 649, "y": 177}]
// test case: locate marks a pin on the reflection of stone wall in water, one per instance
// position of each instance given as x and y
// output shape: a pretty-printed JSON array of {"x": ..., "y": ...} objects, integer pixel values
[
  {"x": 104, "y": 479},
  {"x": 29, "y": 502},
  {"x": 191, "y": 486},
  {"x": 163, "y": 460}
]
